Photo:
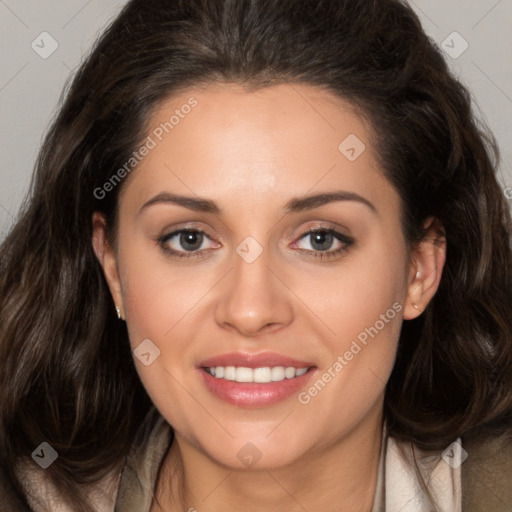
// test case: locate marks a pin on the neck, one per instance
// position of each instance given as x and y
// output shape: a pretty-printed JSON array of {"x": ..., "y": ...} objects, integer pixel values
[{"x": 342, "y": 477}]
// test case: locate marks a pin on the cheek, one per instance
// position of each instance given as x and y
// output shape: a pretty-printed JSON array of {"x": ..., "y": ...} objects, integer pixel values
[
  {"x": 362, "y": 305},
  {"x": 157, "y": 294},
  {"x": 160, "y": 306},
  {"x": 359, "y": 291}
]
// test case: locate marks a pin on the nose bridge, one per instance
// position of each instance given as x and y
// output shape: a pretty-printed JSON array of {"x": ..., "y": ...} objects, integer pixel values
[{"x": 253, "y": 298}]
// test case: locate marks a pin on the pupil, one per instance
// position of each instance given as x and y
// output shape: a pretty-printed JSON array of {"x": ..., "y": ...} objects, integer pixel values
[
  {"x": 190, "y": 240},
  {"x": 322, "y": 240}
]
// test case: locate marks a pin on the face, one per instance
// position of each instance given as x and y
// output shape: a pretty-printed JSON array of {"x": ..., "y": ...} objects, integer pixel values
[{"x": 259, "y": 237}]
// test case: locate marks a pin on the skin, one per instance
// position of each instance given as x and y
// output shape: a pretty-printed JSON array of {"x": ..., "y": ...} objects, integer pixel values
[{"x": 250, "y": 153}]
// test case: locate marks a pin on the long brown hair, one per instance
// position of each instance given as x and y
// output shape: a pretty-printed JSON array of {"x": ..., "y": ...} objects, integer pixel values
[{"x": 67, "y": 375}]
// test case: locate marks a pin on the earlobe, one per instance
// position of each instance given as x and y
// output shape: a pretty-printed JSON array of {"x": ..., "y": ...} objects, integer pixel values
[
  {"x": 427, "y": 263},
  {"x": 107, "y": 259}
]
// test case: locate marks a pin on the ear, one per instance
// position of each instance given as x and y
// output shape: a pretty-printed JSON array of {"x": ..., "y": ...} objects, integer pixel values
[
  {"x": 107, "y": 258},
  {"x": 427, "y": 263}
]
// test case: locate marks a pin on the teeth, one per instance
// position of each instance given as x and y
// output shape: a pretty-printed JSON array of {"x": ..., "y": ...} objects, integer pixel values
[
  {"x": 262, "y": 375},
  {"x": 289, "y": 372},
  {"x": 244, "y": 374},
  {"x": 229, "y": 372}
]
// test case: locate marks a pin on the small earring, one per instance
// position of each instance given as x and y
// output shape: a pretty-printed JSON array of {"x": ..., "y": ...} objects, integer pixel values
[
  {"x": 118, "y": 311},
  {"x": 415, "y": 306}
]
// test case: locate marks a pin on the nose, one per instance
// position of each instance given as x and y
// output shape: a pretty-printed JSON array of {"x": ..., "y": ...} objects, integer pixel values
[{"x": 254, "y": 300}]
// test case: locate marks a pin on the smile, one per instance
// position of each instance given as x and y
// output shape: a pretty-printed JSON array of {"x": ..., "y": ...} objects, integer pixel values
[
  {"x": 253, "y": 380},
  {"x": 265, "y": 374}
]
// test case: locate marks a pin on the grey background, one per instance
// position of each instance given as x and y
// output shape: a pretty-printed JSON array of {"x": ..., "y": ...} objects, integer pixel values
[{"x": 30, "y": 86}]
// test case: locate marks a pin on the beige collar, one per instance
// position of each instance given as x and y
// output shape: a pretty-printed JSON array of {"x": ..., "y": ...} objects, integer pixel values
[{"x": 398, "y": 483}]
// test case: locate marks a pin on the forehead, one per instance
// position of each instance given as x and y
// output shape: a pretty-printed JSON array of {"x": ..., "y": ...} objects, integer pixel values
[{"x": 272, "y": 143}]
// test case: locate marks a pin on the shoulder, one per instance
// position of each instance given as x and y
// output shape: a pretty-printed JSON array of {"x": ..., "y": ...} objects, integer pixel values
[
  {"x": 474, "y": 473},
  {"x": 124, "y": 490},
  {"x": 42, "y": 495},
  {"x": 487, "y": 472}
]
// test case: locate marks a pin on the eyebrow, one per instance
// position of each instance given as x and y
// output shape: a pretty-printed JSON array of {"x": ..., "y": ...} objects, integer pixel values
[{"x": 295, "y": 205}]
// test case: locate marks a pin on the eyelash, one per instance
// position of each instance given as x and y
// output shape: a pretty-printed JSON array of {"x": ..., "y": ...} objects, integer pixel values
[{"x": 344, "y": 239}]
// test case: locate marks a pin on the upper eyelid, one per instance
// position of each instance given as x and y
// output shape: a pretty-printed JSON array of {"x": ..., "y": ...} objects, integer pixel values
[
  {"x": 175, "y": 232},
  {"x": 340, "y": 237},
  {"x": 322, "y": 225}
]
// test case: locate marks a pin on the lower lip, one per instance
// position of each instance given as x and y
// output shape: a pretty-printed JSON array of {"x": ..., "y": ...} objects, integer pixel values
[{"x": 253, "y": 394}]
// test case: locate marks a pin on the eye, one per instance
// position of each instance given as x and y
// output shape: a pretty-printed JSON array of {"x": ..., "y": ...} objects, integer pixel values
[
  {"x": 192, "y": 243},
  {"x": 325, "y": 242},
  {"x": 183, "y": 241}
]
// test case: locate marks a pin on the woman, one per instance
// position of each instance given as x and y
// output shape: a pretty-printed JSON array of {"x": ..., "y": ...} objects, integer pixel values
[{"x": 265, "y": 265}]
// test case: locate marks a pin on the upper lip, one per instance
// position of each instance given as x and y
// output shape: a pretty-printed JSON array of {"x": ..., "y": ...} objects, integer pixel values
[{"x": 249, "y": 360}]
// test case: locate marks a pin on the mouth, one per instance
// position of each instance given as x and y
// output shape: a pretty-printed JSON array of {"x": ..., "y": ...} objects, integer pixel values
[{"x": 254, "y": 380}]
